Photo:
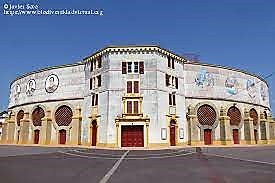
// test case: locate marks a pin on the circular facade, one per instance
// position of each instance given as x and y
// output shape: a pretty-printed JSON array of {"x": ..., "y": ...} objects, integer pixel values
[{"x": 137, "y": 102}]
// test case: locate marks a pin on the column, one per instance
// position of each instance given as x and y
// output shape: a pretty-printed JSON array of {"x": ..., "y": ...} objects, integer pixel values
[
  {"x": 11, "y": 130},
  {"x": 147, "y": 133},
  {"x": 225, "y": 128},
  {"x": 26, "y": 136},
  {"x": 46, "y": 129},
  {"x": 5, "y": 131},
  {"x": 248, "y": 128},
  {"x": 193, "y": 130},
  {"x": 264, "y": 128},
  {"x": 76, "y": 127}
]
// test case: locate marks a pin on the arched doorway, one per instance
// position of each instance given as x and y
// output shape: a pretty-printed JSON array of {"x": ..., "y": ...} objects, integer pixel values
[
  {"x": 172, "y": 132},
  {"x": 37, "y": 116},
  {"x": 235, "y": 120},
  {"x": 36, "y": 136},
  {"x": 63, "y": 117},
  {"x": 62, "y": 136},
  {"x": 94, "y": 132},
  {"x": 207, "y": 117},
  {"x": 254, "y": 115}
]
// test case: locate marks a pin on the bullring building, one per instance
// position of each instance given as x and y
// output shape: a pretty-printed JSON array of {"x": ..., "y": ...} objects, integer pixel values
[{"x": 138, "y": 96}]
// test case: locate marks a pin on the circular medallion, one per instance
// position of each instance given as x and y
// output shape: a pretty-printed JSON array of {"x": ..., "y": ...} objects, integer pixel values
[
  {"x": 31, "y": 86},
  {"x": 52, "y": 83}
]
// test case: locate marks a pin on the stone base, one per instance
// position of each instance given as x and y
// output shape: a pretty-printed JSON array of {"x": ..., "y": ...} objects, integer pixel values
[
  {"x": 223, "y": 142},
  {"x": 196, "y": 143},
  {"x": 158, "y": 145},
  {"x": 271, "y": 141},
  {"x": 263, "y": 142},
  {"x": 107, "y": 145},
  {"x": 247, "y": 142}
]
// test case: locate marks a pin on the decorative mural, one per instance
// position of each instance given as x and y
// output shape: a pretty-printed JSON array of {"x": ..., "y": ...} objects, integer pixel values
[
  {"x": 31, "y": 86},
  {"x": 17, "y": 90},
  {"x": 251, "y": 88},
  {"x": 263, "y": 92},
  {"x": 232, "y": 85},
  {"x": 52, "y": 83},
  {"x": 204, "y": 79}
]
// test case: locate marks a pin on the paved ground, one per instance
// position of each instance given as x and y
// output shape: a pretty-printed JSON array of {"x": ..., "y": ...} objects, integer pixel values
[{"x": 217, "y": 165}]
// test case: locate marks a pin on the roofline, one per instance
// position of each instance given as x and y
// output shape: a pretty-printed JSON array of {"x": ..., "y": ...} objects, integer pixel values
[
  {"x": 229, "y": 68},
  {"x": 140, "y": 48},
  {"x": 163, "y": 50},
  {"x": 45, "y": 69},
  {"x": 132, "y": 48}
]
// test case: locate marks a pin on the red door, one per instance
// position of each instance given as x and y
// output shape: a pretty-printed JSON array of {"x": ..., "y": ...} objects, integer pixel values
[
  {"x": 36, "y": 136},
  {"x": 132, "y": 136},
  {"x": 62, "y": 136},
  {"x": 256, "y": 136},
  {"x": 207, "y": 136},
  {"x": 236, "y": 136},
  {"x": 172, "y": 135},
  {"x": 94, "y": 134}
]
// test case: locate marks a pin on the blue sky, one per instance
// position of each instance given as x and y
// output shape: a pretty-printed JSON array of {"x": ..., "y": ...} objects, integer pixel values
[{"x": 237, "y": 33}]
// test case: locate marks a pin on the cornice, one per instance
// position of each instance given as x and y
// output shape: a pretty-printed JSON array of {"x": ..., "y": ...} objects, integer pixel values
[
  {"x": 227, "y": 68},
  {"x": 45, "y": 69},
  {"x": 134, "y": 49}
]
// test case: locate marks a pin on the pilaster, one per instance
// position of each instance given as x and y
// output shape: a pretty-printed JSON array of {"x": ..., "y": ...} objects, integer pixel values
[
  {"x": 11, "y": 130},
  {"x": 248, "y": 129},
  {"x": 193, "y": 130},
  {"x": 225, "y": 128},
  {"x": 25, "y": 132},
  {"x": 46, "y": 129},
  {"x": 76, "y": 127}
]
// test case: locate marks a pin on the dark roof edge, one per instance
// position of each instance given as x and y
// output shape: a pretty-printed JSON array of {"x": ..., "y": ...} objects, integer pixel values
[{"x": 46, "y": 69}]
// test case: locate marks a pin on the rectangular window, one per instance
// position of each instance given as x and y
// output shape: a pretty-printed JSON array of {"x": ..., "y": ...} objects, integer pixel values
[
  {"x": 136, "y": 67},
  {"x": 129, "y": 86},
  {"x": 177, "y": 82},
  {"x": 94, "y": 99},
  {"x": 129, "y": 107},
  {"x": 92, "y": 66},
  {"x": 129, "y": 67},
  {"x": 169, "y": 62},
  {"x": 99, "y": 80},
  {"x": 173, "y": 63},
  {"x": 167, "y": 80},
  {"x": 141, "y": 67},
  {"x": 124, "y": 68},
  {"x": 136, "y": 87},
  {"x": 135, "y": 107},
  {"x": 91, "y": 83},
  {"x": 94, "y": 62},
  {"x": 99, "y": 62},
  {"x": 172, "y": 99}
]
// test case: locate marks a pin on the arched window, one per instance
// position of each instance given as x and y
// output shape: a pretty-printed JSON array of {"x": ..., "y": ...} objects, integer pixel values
[
  {"x": 20, "y": 115},
  {"x": 254, "y": 115},
  {"x": 63, "y": 116},
  {"x": 37, "y": 115},
  {"x": 235, "y": 115},
  {"x": 206, "y": 115}
]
